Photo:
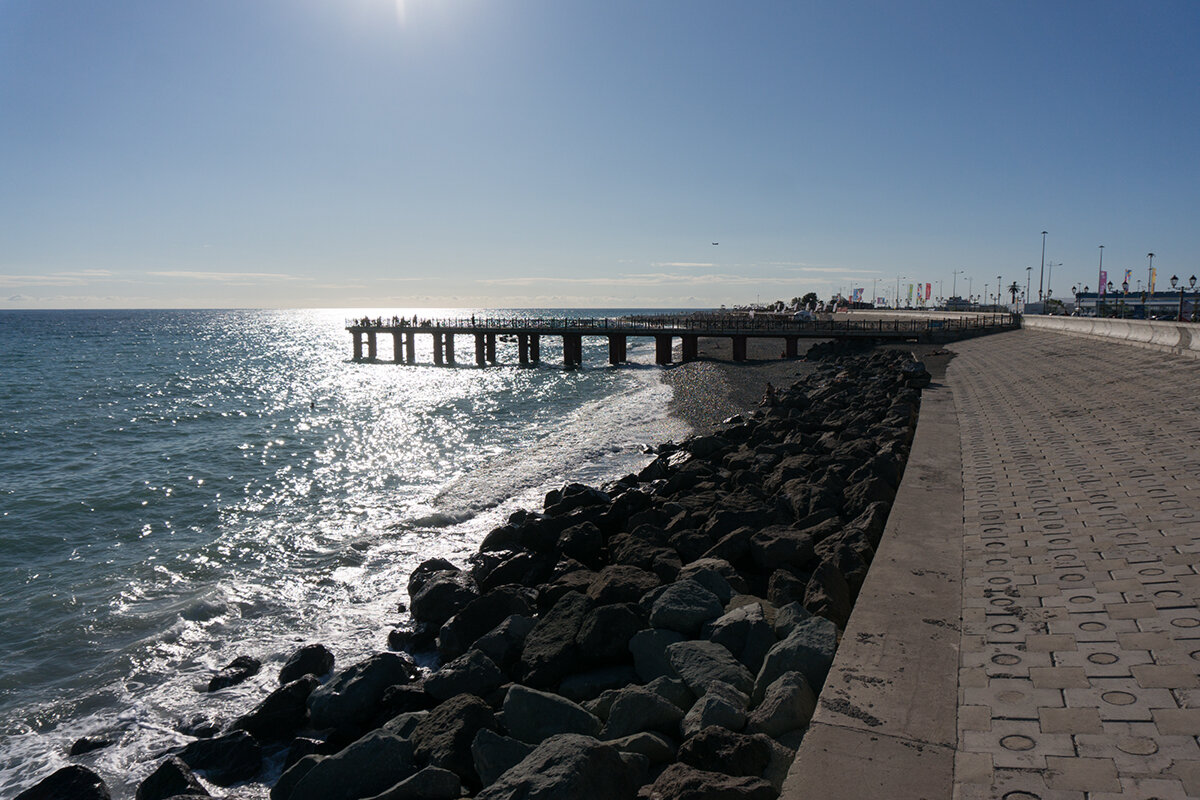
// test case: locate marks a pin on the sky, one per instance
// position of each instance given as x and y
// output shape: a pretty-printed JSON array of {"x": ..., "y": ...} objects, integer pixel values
[{"x": 534, "y": 153}]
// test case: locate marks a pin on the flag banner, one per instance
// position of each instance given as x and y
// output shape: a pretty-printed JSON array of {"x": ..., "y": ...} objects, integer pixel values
[
  {"x": 880, "y": 301},
  {"x": 910, "y": 288},
  {"x": 1153, "y": 276},
  {"x": 928, "y": 290},
  {"x": 858, "y": 295},
  {"x": 1103, "y": 280},
  {"x": 1128, "y": 276}
]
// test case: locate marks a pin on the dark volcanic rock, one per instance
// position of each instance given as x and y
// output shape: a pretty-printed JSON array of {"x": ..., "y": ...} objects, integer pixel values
[
  {"x": 682, "y": 782},
  {"x": 621, "y": 584},
  {"x": 567, "y": 767},
  {"x": 550, "y": 651},
  {"x": 808, "y": 649},
  {"x": 503, "y": 644},
  {"x": 69, "y": 783},
  {"x": 235, "y": 672},
  {"x": 725, "y": 751},
  {"x": 532, "y": 716},
  {"x": 431, "y": 783},
  {"x": 173, "y": 777},
  {"x": 637, "y": 709},
  {"x": 350, "y": 699},
  {"x": 225, "y": 760},
  {"x": 604, "y": 636},
  {"x": 282, "y": 713},
  {"x": 443, "y": 738},
  {"x": 481, "y": 615},
  {"x": 312, "y": 659},
  {"x": 493, "y": 754},
  {"x": 649, "y": 649},
  {"x": 437, "y": 596},
  {"x": 685, "y": 607},
  {"x": 473, "y": 673},
  {"x": 86, "y": 744},
  {"x": 828, "y": 594},
  {"x": 367, "y": 767},
  {"x": 699, "y": 663},
  {"x": 788, "y": 704}
]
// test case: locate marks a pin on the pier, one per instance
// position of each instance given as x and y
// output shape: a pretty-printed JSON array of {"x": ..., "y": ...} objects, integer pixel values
[{"x": 527, "y": 332}]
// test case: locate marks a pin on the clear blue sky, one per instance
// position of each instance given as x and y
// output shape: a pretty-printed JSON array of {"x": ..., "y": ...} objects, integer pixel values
[{"x": 541, "y": 152}]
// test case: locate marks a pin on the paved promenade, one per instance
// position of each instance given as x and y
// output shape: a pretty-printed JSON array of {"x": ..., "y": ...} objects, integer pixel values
[
  {"x": 1081, "y": 630},
  {"x": 1030, "y": 627}
]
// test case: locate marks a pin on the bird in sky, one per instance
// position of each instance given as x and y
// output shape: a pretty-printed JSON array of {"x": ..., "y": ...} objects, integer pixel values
[{"x": 716, "y": 243}]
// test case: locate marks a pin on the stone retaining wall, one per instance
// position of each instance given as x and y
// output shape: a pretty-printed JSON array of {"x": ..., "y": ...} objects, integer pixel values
[{"x": 1168, "y": 337}]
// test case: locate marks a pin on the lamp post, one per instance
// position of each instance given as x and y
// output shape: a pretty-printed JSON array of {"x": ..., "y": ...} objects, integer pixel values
[
  {"x": 1028, "y": 275},
  {"x": 1075, "y": 292},
  {"x": 1109, "y": 290},
  {"x": 1085, "y": 289},
  {"x": 1150, "y": 273},
  {"x": 1100, "y": 280},
  {"x": 1050, "y": 265},
  {"x": 898, "y": 278},
  {"x": 1125, "y": 298},
  {"x": 1042, "y": 273},
  {"x": 954, "y": 283},
  {"x": 1192, "y": 285}
]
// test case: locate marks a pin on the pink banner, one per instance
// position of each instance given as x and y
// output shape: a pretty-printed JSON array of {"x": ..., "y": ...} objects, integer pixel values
[{"x": 1103, "y": 281}]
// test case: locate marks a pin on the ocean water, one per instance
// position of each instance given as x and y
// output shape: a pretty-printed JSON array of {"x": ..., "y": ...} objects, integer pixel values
[{"x": 181, "y": 487}]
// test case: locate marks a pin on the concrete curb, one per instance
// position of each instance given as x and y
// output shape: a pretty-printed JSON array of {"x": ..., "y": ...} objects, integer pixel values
[
  {"x": 886, "y": 720},
  {"x": 1166, "y": 337}
]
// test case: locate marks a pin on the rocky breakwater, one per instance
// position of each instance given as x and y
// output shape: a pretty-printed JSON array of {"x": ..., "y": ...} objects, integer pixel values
[{"x": 664, "y": 636}]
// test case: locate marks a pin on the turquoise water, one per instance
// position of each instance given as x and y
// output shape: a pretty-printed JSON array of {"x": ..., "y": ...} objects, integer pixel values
[{"x": 180, "y": 487}]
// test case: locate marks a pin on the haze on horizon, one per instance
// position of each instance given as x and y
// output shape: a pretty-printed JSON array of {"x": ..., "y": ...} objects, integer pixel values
[{"x": 351, "y": 153}]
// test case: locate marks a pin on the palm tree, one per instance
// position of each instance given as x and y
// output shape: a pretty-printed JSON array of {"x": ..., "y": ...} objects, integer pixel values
[{"x": 1013, "y": 288}]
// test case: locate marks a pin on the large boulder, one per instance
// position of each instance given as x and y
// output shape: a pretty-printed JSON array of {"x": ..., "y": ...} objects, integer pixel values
[
  {"x": 480, "y": 616},
  {"x": 715, "y": 574},
  {"x": 436, "y": 596},
  {"x": 282, "y": 713},
  {"x": 604, "y": 636},
  {"x": 312, "y": 659},
  {"x": 721, "y": 705},
  {"x": 443, "y": 738},
  {"x": 73, "y": 782},
  {"x": 724, "y": 751},
  {"x": 472, "y": 673},
  {"x": 828, "y": 594},
  {"x": 777, "y": 545},
  {"x": 657, "y": 748},
  {"x": 172, "y": 777},
  {"x": 430, "y": 783},
  {"x": 685, "y": 606},
  {"x": 808, "y": 649},
  {"x": 621, "y": 584},
  {"x": 235, "y": 672},
  {"x": 225, "y": 760},
  {"x": 788, "y": 704},
  {"x": 567, "y": 767},
  {"x": 367, "y": 767},
  {"x": 493, "y": 754},
  {"x": 350, "y": 699},
  {"x": 587, "y": 685},
  {"x": 683, "y": 782},
  {"x": 550, "y": 651},
  {"x": 699, "y": 663},
  {"x": 637, "y": 709},
  {"x": 744, "y": 632},
  {"x": 503, "y": 644},
  {"x": 533, "y": 716},
  {"x": 649, "y": 650}
]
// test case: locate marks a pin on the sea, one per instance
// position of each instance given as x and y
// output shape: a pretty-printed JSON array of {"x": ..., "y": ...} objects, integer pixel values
[{"x": 178, "y": 488}]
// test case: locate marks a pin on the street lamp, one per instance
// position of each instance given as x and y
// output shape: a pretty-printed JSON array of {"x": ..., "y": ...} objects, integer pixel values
[
  {"x": 1075, "y": 292},
  {"x": 1191, "y": 285},
  {"x": 1150, "y": 273},
  {"x": 954, "y": 283},
  {"x": 1125, "y": 299},
  {"x": 1028, "y": 274},
  {"x": 1050, "y": 265},
  {"x": 1042, "y": 273},
  {"x": 1100, "y": 281},
  {"x": 1109, "y": 289}
]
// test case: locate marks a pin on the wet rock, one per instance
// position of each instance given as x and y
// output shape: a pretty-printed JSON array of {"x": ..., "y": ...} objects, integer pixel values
[
  {"x": 173, "y": 777},
  {"x": 236, "y": 671},
  {"x": 443, "y": 738},
  {"x": 225, "y": 760},
  {"x": 350, "y": 699},
  {"x": 282, "y": 713},
  {"x": 567, "y": 767},
  {"x": 482, "y": 615},
  {"x": 699, "y": 663},
  {"x": 69, "y": 783},
  {"x": 438, "y": 595},
  {"x": 472, "y": 673},
  {"x": 312, "y": 659},
  {"x": 88, "y": 744},
  {"x": 683, "y": 782},
  {"x": 366, "y": 767}
]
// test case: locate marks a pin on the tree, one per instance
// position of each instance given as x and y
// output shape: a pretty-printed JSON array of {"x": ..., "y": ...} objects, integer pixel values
[
  {"x": 808, "y": 299},
  {"x": 1013, "y": 288}
]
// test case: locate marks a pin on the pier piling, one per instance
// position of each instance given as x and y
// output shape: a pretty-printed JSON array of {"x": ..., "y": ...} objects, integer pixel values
[
  {"x": 450, "y": 349},
  {"x": 739, "y": 348},
  {"x": 437, "y": 349},
  {"x": 491, "y": 347},
  {"x": 662, "y": 348},
  {"x": 371, "y": 345},
  {"x": 523, "y": 349},
  {"x": 616, "y": 349},
  {"x": 480, "y": 350},
  {"x": 572, "y": 349},
  {"x": 691, "y": 348}
]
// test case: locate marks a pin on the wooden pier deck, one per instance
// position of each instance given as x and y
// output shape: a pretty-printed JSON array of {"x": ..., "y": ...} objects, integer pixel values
[{"x": 689, "y": 328}]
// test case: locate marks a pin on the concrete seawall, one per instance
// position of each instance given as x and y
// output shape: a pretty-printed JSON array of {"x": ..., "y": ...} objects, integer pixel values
[{"x": 1167, "y": 337}]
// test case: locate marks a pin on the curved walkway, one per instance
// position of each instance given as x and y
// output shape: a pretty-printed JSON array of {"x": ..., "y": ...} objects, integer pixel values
[{"x": 1078, "y": 576}]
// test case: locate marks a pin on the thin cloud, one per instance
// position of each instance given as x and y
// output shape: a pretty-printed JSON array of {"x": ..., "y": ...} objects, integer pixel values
[
  {"x": 683, "y": 264},
  {"x": 236, "y": 278},
  {"x": 649, "y": 279}
]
